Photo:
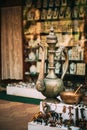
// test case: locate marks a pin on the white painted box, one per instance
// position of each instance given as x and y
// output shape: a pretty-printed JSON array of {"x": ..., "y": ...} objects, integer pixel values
[{"x": 25, "y": 92}]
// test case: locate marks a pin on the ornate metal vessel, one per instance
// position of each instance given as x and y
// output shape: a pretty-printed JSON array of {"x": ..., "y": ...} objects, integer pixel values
[{"x": 50, "y": 86}]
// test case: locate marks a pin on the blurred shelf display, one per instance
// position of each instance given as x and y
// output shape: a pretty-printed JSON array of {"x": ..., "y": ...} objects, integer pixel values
[{"x": 68, "y": 21}]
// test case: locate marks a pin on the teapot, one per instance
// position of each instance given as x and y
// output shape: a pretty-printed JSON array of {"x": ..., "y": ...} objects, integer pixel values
[{"x": 51, "y": 86}]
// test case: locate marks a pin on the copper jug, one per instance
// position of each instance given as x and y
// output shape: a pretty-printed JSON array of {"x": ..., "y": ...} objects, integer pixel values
[{"x": 50, "y": 86}]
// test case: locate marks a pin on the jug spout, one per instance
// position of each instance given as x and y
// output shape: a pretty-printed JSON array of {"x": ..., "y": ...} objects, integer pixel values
[{"x": 40, "y": 81}]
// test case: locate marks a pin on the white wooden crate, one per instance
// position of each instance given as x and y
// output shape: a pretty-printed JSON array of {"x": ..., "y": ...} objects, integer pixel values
[{"x": 25, "y": 92}]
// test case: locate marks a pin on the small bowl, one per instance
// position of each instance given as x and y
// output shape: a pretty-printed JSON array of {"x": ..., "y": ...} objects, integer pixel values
[{"x": 69, "y": 97}]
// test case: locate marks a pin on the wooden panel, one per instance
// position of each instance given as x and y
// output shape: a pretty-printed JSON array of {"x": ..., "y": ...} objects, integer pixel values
[
  {"x": 11, "y": 43},
  {"x": 0, "y": 46},
  {"x": 5, "y": 3}
]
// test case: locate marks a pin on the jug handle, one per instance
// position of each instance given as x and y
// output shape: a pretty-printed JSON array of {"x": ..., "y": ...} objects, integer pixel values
[{"x": 66, "y": 62}]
